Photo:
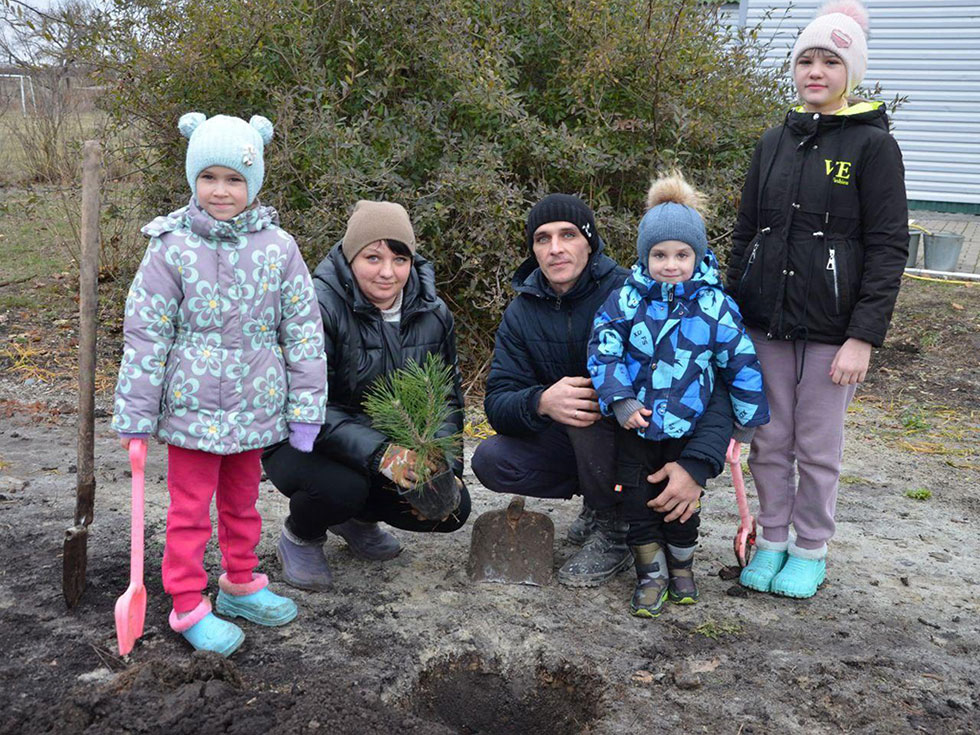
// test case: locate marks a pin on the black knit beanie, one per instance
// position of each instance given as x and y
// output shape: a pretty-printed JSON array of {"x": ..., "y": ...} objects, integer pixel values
[{"x": 562, "y": 208}]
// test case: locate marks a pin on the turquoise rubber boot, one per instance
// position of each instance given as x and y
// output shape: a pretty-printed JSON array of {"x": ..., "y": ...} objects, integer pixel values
[
  {"x": 803, "y": 573},
  {"x": 769, "y": 558},
  {"x": 205, "y": 632},
  {"x": 254, "y": 601}
]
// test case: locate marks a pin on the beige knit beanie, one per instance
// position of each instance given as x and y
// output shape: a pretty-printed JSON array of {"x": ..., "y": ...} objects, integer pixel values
[
  {"x": 373, "y": 221},
  {"x": 842, "y": 28}
]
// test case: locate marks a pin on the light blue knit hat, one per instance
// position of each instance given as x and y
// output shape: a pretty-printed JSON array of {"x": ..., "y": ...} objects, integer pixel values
[
  {"x": 226, "y": 141},
  {"x": 672, "y": 215}
]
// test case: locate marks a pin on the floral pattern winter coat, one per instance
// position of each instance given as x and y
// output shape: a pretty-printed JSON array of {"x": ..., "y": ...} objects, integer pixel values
[
  {"x": 661, "y": 343},
  {"x": 223, "y": 338}
]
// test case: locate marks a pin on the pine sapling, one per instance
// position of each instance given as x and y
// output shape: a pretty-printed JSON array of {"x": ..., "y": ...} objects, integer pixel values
[{"x": 410, "y": 406}]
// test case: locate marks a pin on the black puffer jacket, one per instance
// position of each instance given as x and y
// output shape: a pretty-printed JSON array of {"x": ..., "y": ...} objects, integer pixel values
[
  {"x": 360, "y": 346},
  {"x": 544, "y": 337},
  {"x": 822, "y": 233}
]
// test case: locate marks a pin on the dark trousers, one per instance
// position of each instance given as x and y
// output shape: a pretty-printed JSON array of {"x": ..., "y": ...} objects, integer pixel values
[
  {"x": 323, "y": 492},
  {"x": 559, "y": 462},
  {"x": 636, "y": 458}
]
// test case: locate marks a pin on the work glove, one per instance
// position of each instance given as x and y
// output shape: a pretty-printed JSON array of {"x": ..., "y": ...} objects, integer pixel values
[{"x": 398, "y": 465}]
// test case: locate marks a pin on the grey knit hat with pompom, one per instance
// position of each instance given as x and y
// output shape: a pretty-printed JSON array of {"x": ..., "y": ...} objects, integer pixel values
[{"x": 672, "y": 215}]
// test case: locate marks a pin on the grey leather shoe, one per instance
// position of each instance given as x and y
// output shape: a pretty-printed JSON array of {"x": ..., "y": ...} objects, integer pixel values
[
  {"x": 303, "y": 564},
  {"x": 368, "y": 540}
]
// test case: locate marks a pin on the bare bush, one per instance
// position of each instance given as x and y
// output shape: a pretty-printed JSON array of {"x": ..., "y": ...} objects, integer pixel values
[{"x": 464, "y": 112}]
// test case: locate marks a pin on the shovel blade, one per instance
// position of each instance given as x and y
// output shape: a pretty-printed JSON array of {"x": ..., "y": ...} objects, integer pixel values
[
  {"x": 130, "y": 616},
  {"x": 514, "y": 548},
  {"x": 74, "y": 563}
]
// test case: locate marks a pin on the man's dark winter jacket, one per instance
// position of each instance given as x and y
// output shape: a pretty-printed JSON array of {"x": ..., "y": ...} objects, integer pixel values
[
  {"x": 544, "y": 337},
  {"x": 822, "y": 233},
  {"x": 361, "y": 346}
]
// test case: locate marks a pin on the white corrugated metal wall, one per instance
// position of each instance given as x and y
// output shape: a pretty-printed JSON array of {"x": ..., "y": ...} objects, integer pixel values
[{"x": 928, "y": 50}]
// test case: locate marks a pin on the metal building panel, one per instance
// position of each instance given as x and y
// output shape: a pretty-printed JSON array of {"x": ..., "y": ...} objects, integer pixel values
[{"x": 927, "y": 51}]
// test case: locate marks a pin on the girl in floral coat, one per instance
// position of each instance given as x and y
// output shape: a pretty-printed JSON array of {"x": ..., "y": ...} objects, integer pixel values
[{"x": 223, "y": 356}]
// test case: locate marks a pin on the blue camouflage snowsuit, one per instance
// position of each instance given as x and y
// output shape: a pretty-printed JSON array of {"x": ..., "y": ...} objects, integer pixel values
[{"x": 660, "y": 344}]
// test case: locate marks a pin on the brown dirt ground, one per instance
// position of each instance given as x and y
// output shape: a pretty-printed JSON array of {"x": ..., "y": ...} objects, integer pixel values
[{"x": 891, "y": 644}]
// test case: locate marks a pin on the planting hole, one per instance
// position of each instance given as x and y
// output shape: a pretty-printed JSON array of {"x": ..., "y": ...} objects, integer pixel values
[{"x": 474, "y": 696}]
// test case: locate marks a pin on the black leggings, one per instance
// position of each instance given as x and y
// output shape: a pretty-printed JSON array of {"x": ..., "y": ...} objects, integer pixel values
[
  {"x": 323, "y": 492},
  {"x": 636, "y": 458}
]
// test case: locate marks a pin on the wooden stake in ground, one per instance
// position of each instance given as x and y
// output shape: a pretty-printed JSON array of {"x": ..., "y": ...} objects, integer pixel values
[{"x": 76, "y": 537}]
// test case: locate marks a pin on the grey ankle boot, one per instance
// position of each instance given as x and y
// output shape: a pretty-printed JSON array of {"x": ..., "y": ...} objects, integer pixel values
[
  {"x": 583, "y": 526},
  {"x": 603, "y": 556},
  {"x": 651, "y": 581},
  {"x": 367, "y": 540},
  {"x": 682, "y": 590},
  {"x": 303, "y": 563}
]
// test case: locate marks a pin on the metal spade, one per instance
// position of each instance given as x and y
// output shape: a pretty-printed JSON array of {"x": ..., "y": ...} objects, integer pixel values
[{"x": 513, "y": 546}]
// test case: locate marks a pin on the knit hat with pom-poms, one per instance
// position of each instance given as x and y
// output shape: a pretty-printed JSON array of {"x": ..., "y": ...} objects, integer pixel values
[
  {"x": 226, "y": 141},
  {"x": 672, "y": 215},
  {"x": 840, "y": 27}
]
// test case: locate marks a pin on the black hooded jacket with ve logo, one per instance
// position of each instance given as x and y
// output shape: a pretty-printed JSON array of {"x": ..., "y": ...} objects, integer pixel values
[{"x": 822, "y": 234}]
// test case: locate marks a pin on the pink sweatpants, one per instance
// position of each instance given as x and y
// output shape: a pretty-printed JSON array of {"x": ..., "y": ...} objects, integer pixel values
[
  {"x": 192, "y": 478},
  {"x": 805, "y": 436}
]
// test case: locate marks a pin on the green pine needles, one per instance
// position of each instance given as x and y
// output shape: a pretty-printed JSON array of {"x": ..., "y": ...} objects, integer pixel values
[{"x": 410, "y": 406}]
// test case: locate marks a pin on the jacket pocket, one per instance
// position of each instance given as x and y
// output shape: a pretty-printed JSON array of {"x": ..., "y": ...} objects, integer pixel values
[
  {"x": 757, "y": 287},
  {"x": 629, "y": 474},
  {"x": 170, "y": 404},
  {"x": 843, "y": 271},
  {"x": 824, "y": 301},
  {"x": 750, "y": 273},
  {"x": 832, "y": 276}
]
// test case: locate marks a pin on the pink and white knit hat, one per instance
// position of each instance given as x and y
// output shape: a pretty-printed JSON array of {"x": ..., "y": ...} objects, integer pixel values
[{"x": 840, "y": 27}]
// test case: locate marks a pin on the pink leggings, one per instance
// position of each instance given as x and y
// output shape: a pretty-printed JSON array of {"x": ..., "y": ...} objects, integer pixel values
[
  {"x": 805, "y": 436},
  {"x": 192, "y": 478}
]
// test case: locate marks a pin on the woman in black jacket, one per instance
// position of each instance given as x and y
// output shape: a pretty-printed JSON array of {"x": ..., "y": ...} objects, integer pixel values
[
  {"x": 818, "y": 253},
  {"x": 380, "y": 310}
]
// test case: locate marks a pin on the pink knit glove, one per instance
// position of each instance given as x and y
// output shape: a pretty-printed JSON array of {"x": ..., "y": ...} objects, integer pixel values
[{"x": 302, "y": 436}]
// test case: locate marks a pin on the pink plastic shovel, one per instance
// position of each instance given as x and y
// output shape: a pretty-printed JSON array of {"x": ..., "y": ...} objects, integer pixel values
[
  {"x": 131, "y": 607},
  {"x": 745, "y": 536}
]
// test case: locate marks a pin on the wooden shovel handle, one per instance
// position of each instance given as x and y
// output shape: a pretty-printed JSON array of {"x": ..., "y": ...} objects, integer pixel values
[
  {"x": 88, "y": 299},
  {"x": 515, "y": 510}
]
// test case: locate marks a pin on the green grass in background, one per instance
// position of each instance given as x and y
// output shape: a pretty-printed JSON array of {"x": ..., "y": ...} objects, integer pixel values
[
  {"x": 34, "y": 228},
  {"x": 22, "y": 139}
]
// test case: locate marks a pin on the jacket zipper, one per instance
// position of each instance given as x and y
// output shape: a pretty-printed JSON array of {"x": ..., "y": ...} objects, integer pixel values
[
  {"x": 832, "y": 266},
  {"x": 569, "y": 343},
  {"x": 762, "y": 236},
  {"x": 670, "y": 392},
  {"x": 751, "y": 260}
]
